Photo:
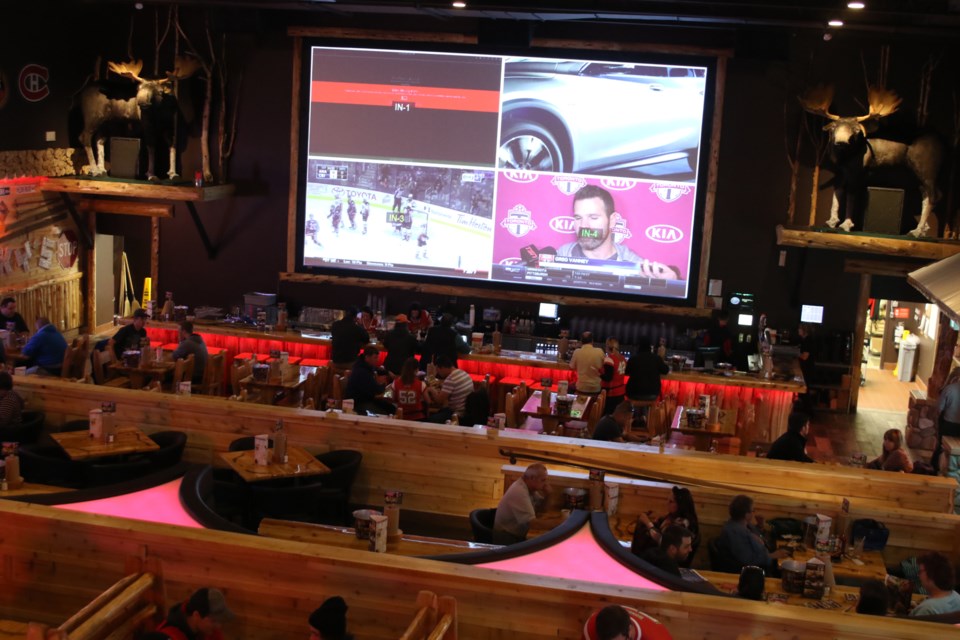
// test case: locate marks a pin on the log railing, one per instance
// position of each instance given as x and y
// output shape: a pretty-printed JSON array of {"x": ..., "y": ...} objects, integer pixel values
[{"x": 435, "y": 619}]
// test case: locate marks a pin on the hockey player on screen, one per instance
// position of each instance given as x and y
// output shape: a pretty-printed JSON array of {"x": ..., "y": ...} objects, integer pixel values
[
  {"x": 336, "y": 211},
  {"x": 398, "y": 199},
  {"x": 422, "y": 242},
  {"x": 352, "y": 212},
  {"x": 407, "y": 223},
  {"x": 312, "y": 230},
  {"x": 365, "y": 214}
]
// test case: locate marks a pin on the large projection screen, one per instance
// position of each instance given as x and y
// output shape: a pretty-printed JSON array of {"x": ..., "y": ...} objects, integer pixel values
[{"x": 518, "y": 172}]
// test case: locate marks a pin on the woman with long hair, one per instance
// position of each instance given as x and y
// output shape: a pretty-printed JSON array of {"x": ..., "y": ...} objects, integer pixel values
[
  {"x": 408, "y": 390},
  {"x": 681, "y": 511},
  {"x": 894, "y": 457}
]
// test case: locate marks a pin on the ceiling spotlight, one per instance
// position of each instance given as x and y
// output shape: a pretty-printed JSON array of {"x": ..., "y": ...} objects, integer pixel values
[
  {"x": 856, "y": 5},
  {"x": 827, "y": 37},
  {"x": 459, "y": 5},
  {"x": 138, "y": 6},
  {"x": 835, "y": 23}
]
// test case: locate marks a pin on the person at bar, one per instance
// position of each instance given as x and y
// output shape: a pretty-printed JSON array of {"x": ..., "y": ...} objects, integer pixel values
[
  {"x": 329, "y": 620},
  {"x": 366, "y": 384},
  {"x": 130, "y": 336},
  {"x": 192, "y": 343},
  {"x": 451, "y": 396},
  {"x": 894, "y": 456},
  {"x": 419, "y": 320},
  {"x": 613, "y": 378},
  {"x": 368, "y": 322},
  {"x": 442, "y": 341},
  {"x": 45, "y": 349},
  {"x": 520, "y": 504},
  {"x": 587, "y": 361},
  {"x": 741, "y": 543},
  {"x": 8, "y": 314},
  {"x": 719, "y": 336},
  {"x": 792, "y": 445},
  {"x": 11, "y": 404},
  {"x": 644, "y": 369},
  {"x": 400, "y": 344},
  {"x": 676, "y": 545},
  {"x": 200, "y": 617},
  {"x": 612, "y": 428},
  {"x": 347, "y": 338}
]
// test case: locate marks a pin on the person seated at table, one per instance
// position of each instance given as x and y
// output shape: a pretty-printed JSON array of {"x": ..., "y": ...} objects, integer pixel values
[
  {"x": 741, "y": 541},
  {"x": 45, "y": 348},
  {"x": 611, "y": 428},
  {"x": 408, "y": 391},
  {"x": 587, "y": 361},
  {"x": 476, "y": 409},
  {"x": 613, "y": 377},
  {"x": 451, "y": 396},
  {"x": 614, "y": 622},
  {"x": 130, "y": 336},
  {"x": 8, "y": 314},
  {"x": 874, "y": 600},
  {"x": 400, "y": 345},
  {"x": 520, "y": 504},
  {"x": 198, "y": 618},
  {"x": 676, "y": 545},
  {"x": 192, "y": 343},
  {"x": 329, "y": 620},
  {"x": 366, "y": 384},
  {"x": 644, "y": 369},
  {"x": 937, "y": 579},
  {"x": 11, "y": 404},
  {"x": 894, "y": 456},
  {"x": 681, "y": 511},
  {"x": 792, "y": 445},
  {"x": 347, "y": 338}
]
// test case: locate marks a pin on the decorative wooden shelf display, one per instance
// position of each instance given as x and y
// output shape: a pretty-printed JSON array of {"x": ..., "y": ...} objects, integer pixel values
[
  {"x": 130, "y": 198},
  {"x": 904, "y": 246}
]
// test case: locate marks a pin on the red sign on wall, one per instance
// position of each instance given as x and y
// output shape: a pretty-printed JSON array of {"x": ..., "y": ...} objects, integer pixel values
[{"x": 901, "y": 313}]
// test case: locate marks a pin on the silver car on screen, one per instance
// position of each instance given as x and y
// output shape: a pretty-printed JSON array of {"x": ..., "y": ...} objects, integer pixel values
[{"x": 629, "y": 120}]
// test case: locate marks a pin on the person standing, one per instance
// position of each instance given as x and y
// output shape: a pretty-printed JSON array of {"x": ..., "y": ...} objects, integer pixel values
[
  {"x": 644, "y": 369},
  {"x": 587, "y": 361},
  {"x": 346, "y": 340},
  {"x": 948, "y": 422},
  {"x": 198, "y": 618},
  {"x": 329, "y": 620},
  {"x": 613, "y": 378},
  {"x": 192, "y": 343},
  {"x": 400, "y": 345},
  {"x": 8, "y": 314},
  {"x": 46, "y": 348},
  {"x": 792, "y": 445},
  {"x": 520, "y": 504},
  {"x": 130, "y": 336},
  {"x": 442, "y": 341}
]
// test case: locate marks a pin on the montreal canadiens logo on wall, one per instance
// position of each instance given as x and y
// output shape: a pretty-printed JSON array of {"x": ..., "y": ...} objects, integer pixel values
[
  {"x": 670, "y": 192},
  {"x": 617, "y": 184},
  {"x": 568, "y": 185},
  {"x": 519, "y": 221},
  {"x": 33, "y": 83},
  {"x": 520, "y": 176},
  {"x": 665, "y": 233},
  {"x": 562, "y": 224}
]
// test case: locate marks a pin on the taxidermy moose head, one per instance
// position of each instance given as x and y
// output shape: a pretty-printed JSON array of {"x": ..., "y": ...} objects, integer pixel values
[
  {"x": 149, "y": 102},
  {"x": 854, "y": 153}
]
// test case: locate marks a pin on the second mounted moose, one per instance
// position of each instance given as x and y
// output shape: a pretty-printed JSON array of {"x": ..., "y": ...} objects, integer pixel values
[
  {"x": 151, "y": 103},
  {"x": 854, "y": 153}
]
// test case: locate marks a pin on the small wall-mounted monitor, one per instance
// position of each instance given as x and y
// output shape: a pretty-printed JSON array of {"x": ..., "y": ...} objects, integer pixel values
[
  {"x": 549, "y": 311},
  {"x": 811, "y": 313},
  {"x": 745, "y": 319}
]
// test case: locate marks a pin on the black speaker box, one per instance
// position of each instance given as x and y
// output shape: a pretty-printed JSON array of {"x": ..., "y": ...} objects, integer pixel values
[
  {"x": 124, "y": 157},
  {"x": 884, "y": 211}
]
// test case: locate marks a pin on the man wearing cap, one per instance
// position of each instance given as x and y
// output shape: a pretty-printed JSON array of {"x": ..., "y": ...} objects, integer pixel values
[
  {"x": 198, "y": 618},
  {"x": 329, "y": 621},
  {"x": 131, "y": 335},
  {"x": 400, "y": 344}
]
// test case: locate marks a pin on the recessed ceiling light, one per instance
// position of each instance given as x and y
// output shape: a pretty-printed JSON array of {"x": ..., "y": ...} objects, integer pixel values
[
  {"x": 856, "y": 5},
  {"x": 835, "y": 23},
  {"x": 459, "y": 5}
]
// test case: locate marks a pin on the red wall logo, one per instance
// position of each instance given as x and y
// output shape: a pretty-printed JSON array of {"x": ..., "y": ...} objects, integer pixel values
[
  {"x": 562, "y": 224},
  {"x": 665, "y": 233},
  {"x": 33, "y": 83}
]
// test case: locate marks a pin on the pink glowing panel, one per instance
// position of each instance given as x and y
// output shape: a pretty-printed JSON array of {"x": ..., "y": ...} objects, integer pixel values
[
  {"x": 579, "y": 557},
  {"x": 157, "y": 504}
]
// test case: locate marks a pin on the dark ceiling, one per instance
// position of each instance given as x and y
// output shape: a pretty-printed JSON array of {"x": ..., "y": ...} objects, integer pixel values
[{"x": 937, "y": 18}]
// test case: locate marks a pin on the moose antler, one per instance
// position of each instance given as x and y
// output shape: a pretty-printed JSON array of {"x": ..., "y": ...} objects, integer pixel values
[
  {"x": 883, "y": 102},
  {"x": 817, "y": 100},
  {"x": 183, "y": 67},
  {"x": 129, "y": 69}
]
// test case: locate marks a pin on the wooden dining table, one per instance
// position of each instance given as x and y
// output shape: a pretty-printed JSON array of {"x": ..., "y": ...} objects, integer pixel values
[
  {"x": 274, "y": 390},
  {"x": 551, "y": 420},
  {"x": 300, "y": 464},
  {"x": 79, "y": 445},
  {"x": 143, "y": 375}
]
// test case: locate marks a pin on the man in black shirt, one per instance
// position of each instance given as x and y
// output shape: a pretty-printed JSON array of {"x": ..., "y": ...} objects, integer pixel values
[
  {"x": 400, "y": 345},
  {"x": 792, "y": 445},
  {"x": 366, "y": 384},
  {"x": 676, "y": 543},
  {"x": 347, "y": 338},
  {"x": 8, "y": 314},
  {"x": 645, "y": 368},
  {"x": 131, "y": 335},
  {"x": 610, "y": 428}
]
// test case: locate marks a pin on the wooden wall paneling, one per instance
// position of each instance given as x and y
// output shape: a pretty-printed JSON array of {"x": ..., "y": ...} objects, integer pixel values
[
  {"x": 294, "y": 155},
  {"x": 859, "y": 332},
  {"x": 273, "y": 587},
  {"x": 712, "y": 174}
]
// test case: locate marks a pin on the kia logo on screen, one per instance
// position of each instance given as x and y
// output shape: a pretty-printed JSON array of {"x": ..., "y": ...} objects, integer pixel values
[
  {"x": 617, "y": 184},
  {"x": 520, "y": 176},
  {"x": 509, "y": 262},
  {"x": 562, "y": 224},
  {"x": 664, "y": 233}
]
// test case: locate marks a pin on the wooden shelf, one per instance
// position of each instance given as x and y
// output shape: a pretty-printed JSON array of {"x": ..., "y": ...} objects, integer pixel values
[
  {"x": 903, "y": 246},
  {"x": 179, "y": 192}
]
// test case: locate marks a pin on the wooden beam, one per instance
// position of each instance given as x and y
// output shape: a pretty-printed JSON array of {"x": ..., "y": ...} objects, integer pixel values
[
  {"x": 859, "y": 329},
  {"x": 905, "y": 246},
  {"x": 381, "y": 34},
  {"x": 180, "y": 193},
  {"x": 500, "y": 294},
  {"x": 292, "y": 192},
  {"x": 128, "y": 208},
  {"x": 712, "y": 172},
  {"x": 880, "y": 267},
  {"x": 632, "y": 46}
]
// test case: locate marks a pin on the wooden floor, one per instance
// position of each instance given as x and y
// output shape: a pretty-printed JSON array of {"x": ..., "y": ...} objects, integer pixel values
[{"x": 883, "y": 391}]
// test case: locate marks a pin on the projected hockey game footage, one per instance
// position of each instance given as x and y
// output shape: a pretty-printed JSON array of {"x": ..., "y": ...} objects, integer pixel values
[{"x": 528, "y": 171}]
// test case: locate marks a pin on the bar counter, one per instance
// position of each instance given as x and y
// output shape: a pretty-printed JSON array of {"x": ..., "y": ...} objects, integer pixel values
[{"x": 766, "y": 403}]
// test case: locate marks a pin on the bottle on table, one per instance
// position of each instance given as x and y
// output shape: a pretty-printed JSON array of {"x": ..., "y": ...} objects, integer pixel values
[{"x": 279, "y": 443}]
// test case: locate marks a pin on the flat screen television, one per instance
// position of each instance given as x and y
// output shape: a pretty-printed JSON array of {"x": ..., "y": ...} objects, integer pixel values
[
  {"x": 745, "y": 319},
  {"x": 508, "y": 171},
  {"x": 549, "y": 311},
  {"x": 811, "y": 313}
]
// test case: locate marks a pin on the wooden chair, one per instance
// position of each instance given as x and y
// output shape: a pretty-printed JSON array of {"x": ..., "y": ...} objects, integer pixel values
[
  {"x": 436, "y": 618},
  {"x": 240, "y": 370},
  {"x": 212, "y": 383},
  {"x": 510, "y": 408},
  {"x": 100, "y": 361},
  {"x": 66, "y": 368},
  {"x": 339, "y": 386},
  {"x": 182, "y": 372}
]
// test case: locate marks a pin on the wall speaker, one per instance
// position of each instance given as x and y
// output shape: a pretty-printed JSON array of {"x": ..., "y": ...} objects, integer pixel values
[
  {"x": 124, "y": 157},
  {"x": 884, "y": 211}
]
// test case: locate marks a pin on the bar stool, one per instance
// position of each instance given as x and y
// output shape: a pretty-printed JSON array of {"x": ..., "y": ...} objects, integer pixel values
[{"x": 641, "y": 406}]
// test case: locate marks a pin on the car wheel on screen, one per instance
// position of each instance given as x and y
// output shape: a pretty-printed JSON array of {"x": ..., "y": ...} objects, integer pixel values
[{"x": 528, "y": 146}]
